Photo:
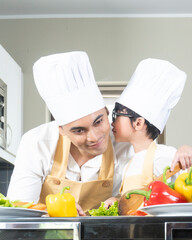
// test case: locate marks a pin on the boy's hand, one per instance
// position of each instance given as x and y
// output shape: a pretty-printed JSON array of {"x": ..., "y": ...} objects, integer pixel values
[{"x": 184, "y": 156}]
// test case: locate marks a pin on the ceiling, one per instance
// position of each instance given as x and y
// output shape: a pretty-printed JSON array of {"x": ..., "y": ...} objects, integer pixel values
[{"x": 93, "y": 8}]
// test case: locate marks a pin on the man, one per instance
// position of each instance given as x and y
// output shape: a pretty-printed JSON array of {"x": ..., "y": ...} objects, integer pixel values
[{"x": 74, "y": 150}]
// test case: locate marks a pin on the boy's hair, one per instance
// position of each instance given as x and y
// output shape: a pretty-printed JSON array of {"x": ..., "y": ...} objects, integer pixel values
[{"x": 152, "y": 131}]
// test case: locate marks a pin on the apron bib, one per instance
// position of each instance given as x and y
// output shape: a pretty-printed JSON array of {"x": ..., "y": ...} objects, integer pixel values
[
  {"x": 147, "y": 176},
  {"x": 87, "y": 194}
]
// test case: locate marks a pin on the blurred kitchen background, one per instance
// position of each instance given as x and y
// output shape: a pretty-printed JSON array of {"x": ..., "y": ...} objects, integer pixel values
[{"x": 116, "y": 34}]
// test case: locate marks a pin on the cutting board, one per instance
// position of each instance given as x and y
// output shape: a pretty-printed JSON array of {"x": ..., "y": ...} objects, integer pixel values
[{"x": 136, "y": 200}]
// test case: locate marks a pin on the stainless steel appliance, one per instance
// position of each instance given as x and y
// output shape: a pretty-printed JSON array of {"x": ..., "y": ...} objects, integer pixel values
[
  {"x": 3, "y": 114},
  {"x": 178, "y": 230},
  {"x": 98, "y": 228},
  {"x": 39, "y": 230}
]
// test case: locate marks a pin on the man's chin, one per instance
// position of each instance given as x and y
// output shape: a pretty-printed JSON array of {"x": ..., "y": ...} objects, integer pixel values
[{"x": 100, "y": 151}]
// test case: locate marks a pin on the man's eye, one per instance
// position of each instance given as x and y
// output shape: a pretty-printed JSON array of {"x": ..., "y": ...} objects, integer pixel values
[
  {"x": 98, "y": 121},
  {"x": 79, "y": 131}
]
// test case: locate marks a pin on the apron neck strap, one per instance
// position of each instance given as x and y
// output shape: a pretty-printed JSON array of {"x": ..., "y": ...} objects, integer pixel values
[
  {"x": 148, "y": 175},
  {"x": 124, "y": 176},
  {"x": 107, "y": 165},
  {"x": 61, "y": 157}
]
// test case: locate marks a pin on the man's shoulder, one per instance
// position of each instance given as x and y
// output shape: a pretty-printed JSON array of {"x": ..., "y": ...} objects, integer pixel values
[
  {"x": 164, "y": 153},
  {"x": 164, "y": 149},
  {"x": 44, "y": 131}
]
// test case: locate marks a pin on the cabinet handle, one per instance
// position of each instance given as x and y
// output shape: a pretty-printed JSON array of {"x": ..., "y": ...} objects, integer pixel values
[{"x": 11, "y": 135}]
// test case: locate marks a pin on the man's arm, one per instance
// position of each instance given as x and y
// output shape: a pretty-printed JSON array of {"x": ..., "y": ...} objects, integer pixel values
[{"x": 184, "y": 156}]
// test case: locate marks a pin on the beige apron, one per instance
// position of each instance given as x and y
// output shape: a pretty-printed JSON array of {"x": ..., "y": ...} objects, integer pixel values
[
  {"x": 147, "y": 176},
  {"x": 88, "y": 194}
]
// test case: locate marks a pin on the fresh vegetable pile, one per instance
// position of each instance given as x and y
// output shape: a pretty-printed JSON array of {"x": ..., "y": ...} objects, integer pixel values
[
  {"x": 6, "y": 202},
  {"x": 159, "y": 193},
  {"x": 136, "y": 213},
  {"x": 165, "y": 193},
  {"x": 102, "y": 211}
]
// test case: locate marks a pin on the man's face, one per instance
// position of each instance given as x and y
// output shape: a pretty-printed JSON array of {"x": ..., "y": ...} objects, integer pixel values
[{"x": 89, "y": 134}]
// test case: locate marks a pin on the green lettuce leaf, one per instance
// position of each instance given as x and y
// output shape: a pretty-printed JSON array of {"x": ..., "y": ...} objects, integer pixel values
[{"x": 102, "y": 211}]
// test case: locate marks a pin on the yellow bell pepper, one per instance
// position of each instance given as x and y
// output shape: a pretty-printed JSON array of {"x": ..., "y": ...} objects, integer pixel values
[
  {"x": 183, "y": 185},
  {"x": 61, "y": 204}
]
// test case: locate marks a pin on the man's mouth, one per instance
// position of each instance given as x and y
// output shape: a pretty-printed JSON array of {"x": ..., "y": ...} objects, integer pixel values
[{"x": 96, "y": 144}]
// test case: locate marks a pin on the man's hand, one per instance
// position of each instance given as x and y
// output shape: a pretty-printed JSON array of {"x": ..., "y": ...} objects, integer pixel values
[
  {"x": 110, "y": 202},
  {"x": 80, "y": 210},
  {"x": 184, "y": 156}
]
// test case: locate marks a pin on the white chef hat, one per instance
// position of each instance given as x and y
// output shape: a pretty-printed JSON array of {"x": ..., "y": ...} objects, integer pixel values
[
  {"x": 153, "y": 90},
  {"x": 66, "y": 83}
]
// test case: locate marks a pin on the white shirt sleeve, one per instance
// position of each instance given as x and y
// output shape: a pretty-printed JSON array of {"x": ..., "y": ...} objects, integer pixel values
[
  {"x": 33, "y": 163},
  {"x": 164, "y": 156}
]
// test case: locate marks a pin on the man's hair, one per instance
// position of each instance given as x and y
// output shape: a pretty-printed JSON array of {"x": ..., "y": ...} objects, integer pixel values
[{"x": 152, "y": 131}]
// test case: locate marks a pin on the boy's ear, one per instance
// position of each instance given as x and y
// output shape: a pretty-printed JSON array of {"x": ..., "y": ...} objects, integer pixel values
[{"x": 139, "y": 123}]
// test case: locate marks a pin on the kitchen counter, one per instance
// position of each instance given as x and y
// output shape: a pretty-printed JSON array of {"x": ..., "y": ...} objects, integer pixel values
[{"x": 111, "y": 228}]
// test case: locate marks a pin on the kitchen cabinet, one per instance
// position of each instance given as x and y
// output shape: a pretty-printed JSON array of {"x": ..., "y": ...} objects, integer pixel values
[{"x": 11, "y": 74}]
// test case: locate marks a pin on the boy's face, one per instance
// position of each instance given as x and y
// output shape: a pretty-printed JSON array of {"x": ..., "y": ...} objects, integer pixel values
[
  {"x": 90, "y": 134},
  {"x": 122, "y": 129}
]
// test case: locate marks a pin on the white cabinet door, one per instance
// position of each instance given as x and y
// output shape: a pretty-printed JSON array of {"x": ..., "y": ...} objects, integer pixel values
[{"x": 11, "y": 74}]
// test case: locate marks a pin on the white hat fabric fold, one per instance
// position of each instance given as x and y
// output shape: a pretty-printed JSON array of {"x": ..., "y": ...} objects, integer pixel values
[
  {"x": 153, "y": 90},
  {"x": 66, "y": 83}
]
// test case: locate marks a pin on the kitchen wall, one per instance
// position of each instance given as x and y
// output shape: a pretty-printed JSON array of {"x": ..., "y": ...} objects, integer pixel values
[{"x": 115, "y": 47}]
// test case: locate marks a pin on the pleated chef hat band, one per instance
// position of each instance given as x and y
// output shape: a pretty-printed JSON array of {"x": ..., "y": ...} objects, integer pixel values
[
  {"x": 66, "y": 83},
  {"x": 153, "y": 90}
]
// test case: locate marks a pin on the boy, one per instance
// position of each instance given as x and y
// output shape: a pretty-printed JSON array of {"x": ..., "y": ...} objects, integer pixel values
[{"x": 140, "y": 115}]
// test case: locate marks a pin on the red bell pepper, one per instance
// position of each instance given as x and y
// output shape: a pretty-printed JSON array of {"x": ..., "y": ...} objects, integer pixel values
[{"x": 159, "y": 193}]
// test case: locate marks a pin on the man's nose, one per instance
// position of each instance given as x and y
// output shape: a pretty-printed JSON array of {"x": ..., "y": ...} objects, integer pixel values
[{"x": 92, "y": 136}]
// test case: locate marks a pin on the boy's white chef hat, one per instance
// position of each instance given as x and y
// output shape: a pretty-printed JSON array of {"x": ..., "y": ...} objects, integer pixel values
[
  {"x": 153, "y": 90},
  {"x": 66, "y": 83}
]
